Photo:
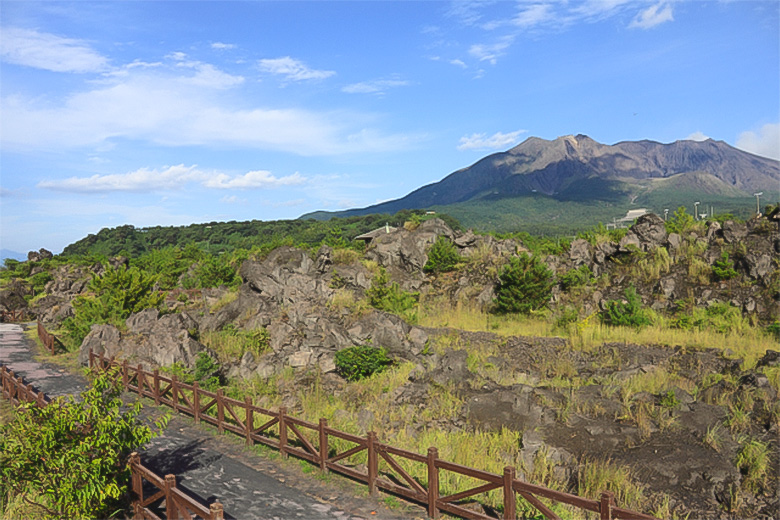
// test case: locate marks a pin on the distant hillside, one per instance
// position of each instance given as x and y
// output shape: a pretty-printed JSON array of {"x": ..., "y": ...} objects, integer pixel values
[
  {"x": 217, "y": 237},
  {"x": 535, "y": 177},
  {"x": 15, "y": 255}
]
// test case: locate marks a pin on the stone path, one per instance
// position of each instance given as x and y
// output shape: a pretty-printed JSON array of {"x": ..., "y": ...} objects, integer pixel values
[{"x": 212, "y": 467}]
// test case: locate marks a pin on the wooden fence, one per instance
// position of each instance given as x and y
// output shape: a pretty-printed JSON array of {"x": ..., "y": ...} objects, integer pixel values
[
  {"x": 316, "y": 443},
  {"x": 177, "y": 506},
  {"x": 49, "y": 341},
  {"x": 13, "y": 316}
]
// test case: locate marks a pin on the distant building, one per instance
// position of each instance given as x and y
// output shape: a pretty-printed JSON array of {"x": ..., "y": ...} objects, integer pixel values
[
  {"x": 371, "y": 235},
  {"x": 630, "y": 217}
]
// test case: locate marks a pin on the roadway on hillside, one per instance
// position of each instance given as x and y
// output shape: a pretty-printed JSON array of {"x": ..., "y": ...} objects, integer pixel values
[{"x": 207, "y": 467}]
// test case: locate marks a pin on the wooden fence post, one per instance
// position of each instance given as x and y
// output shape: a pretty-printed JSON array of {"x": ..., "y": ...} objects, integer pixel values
[
  {"x": 30, "y": 394},
  {"x": 510, "y": 499},
  {"x": 216, "y": 511},
  {"x": 282, "y": 432},
  {"x": 140, "y": 379},
  {"x": 156, "y": 386},
  {"x": 373, "y": 464},
  {"x": 91, "y": 362},
  {"x": 135, "y": 476},
  {"x": 607, "y": 503},
  {"x": 433, "y": 483},
  {"x": 196, "y": 402},
  {"x": 249, "y": 420},
  {"x": 175, "y": 392},
  {"x": 323, "y": 445},
  {"x": 170, "y": 506},
  {"x": 125, "y": 375},
  {"x": 220, "y": 412}
]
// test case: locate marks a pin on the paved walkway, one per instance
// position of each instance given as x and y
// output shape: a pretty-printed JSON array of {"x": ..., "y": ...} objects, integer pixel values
[{"x": 214, "y": 467}]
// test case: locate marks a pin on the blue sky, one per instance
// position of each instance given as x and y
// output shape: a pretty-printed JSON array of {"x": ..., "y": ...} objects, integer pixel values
[{"x": 168, "y": 113}]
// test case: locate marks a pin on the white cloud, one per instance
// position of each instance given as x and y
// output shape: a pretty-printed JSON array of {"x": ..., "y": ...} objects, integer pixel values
[
  {"x": 222, "y": 46},
  {"x": 49, "y": 52},
  {"x": 378, "y": 86},
  {"x": 533, "y": 15},
  {"x": 253, "y": 180},
  {"x": 174, "y": 106},
  {"x": 765, "y": 142},
  {"x": 652, "y": 16},
  {"x": 697, "y": 136},
  {"x": 495, "y": 142},
  {"x": 491, "y": 52},
  {"x": 145, "y": 180},
  {"x": 459, "y": 63},
  {"x": 292, "y": 69}
]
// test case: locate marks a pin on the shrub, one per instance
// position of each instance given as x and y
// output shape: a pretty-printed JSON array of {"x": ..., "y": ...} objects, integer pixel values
[
  {"x": 724, "y": 268},
  {"x": 753, "y": 461},
  {"x": 118, "y": 293},
  {"x": 578, "y": 277},
  {"x": 626, "y": 314},
  {"x": 681, "y": 222},
  {"x": 355, "y": 363},
  {"x": 69, "y": 459},
  {"x": 525, "y": 284},
  {"x": 207, "y": 372},
  {"x": 389, "y": 297},
  {"x": 442, "y": 257}
]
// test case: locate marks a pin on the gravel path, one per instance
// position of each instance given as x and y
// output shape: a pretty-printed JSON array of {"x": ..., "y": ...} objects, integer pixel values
[{"x": 211, "y": 467}]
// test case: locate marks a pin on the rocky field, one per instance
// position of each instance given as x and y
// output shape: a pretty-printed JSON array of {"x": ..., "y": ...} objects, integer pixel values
[{"x": 676, "y": 411}]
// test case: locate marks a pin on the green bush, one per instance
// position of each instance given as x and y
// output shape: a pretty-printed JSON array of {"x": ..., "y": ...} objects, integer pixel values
[
  {"x": 724, "y": 268},
  {"x": 525, "y": 284},
  {"x": 628, "y": 314},
  {"x": 720, "y": 317},
  {"x": 578, "y": 277},
  {"x": 117, "y": 294},
  {"x": 212, "y": 271},
  {"x": 355, "y": 363},
  {"x": 69, "y": 459},
  {"x": 442, "y": 257},
  {"x": 389, "y": 297},
  {"x": 681, "y": 222},
  {"x": 207, "y": 372}
]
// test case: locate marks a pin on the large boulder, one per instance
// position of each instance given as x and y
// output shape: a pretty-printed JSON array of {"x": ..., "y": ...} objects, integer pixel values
[
  {"x": 408, "y": 250},
  {"x": 153, "y": 340},
  {"x": 648, "y": 233}
]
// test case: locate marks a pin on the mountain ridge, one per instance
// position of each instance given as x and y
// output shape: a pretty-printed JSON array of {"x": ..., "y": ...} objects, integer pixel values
[{"x": 573, "y": 165}]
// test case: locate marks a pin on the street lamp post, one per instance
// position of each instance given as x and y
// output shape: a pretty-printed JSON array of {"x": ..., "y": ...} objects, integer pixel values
[
  {"x": 666, "y": 213},
  {"x": 758, "y": 205},
  {"x": 696, "y": 210}
]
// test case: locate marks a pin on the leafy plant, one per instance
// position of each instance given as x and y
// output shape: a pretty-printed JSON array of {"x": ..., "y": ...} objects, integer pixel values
[
  {"x": 578, "y": 277},
  {"x": 626, "y": 314},
  {"x": 753, "y": 462},
  {"x": 117, "y": 294},
  {"x": 388, "y": 296},
  {"x": 69, "y": 459},
  {"x": 207, "y": 372},
  {"x": 681, "y": 222},
  {"x": 524, "y": 285},
  {"x": 724, "y": 268},
  {"x": 442, "y": 257},
  {"x": 355, "y": 363}
]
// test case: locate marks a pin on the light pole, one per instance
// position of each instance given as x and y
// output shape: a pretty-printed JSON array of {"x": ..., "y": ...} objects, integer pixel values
[
  {"x": 758, "y": 206},
  {"x": 696, "y": 210},
  {"x": 666, "y": 213}
]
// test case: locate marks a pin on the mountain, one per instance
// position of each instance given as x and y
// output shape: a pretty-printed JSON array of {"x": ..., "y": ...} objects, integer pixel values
[
  {"x": 14, "y": 255},
  {"x": 579, "y": 169}
]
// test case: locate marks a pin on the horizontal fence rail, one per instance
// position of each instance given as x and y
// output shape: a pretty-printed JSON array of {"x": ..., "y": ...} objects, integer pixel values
[
  {"x": 337, "y": 451},
  {"x": 49, "y": 341},
  {"x": 14, "y": 315},
  {"x": 177, "y": 505}
]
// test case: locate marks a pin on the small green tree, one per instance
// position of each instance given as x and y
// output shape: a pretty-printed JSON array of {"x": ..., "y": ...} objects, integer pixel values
[
  {"x": 626, "y": 314},
  {"x": 388, "y": 296},
  {"x": 442, "y": 257},
  {"x": 354, "y": 363},
  {"x": 117, "y": 294},
  {"x": 681, "y": 222},
  {"x": 525, "y": 284},
  {"x": 724, "y": 268},
  {"x": 69, "y": 459}
]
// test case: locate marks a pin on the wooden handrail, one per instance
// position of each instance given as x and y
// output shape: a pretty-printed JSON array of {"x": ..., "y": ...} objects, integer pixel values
[{"x": 298, "y": 446}]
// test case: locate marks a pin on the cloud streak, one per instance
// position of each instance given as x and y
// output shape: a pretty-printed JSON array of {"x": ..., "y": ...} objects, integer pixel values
[
  {"x": 652, "y": 16},
  {"x": 764, "y": 142},
  {"x": 292, "y": 69},
  {"x": 169, "y": 178},
  {"x": 379, "y": 86},
  {"x": 49, "y": 52},
  {"x": 496, "y": 141}
]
